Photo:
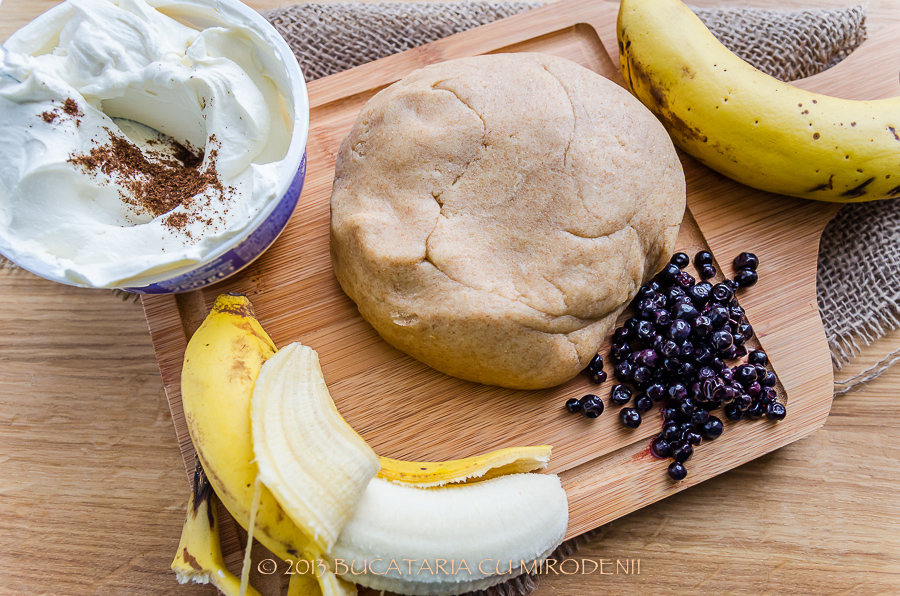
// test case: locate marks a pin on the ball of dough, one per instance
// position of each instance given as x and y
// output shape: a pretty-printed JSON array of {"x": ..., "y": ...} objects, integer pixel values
[{"x": 491, "y": 216}]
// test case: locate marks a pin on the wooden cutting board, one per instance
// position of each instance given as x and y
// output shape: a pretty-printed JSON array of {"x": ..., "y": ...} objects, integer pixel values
[{"x": 406, "y": 410}]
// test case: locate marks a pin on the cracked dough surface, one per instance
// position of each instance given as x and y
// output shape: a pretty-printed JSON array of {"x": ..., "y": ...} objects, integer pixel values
[{"x": 491, "y": 216}]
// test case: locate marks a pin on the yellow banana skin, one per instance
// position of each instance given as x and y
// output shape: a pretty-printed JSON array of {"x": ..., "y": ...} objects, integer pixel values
[
  {"x": 749, "y": 126},
  {"x": 221, "y": 364},
  {"x": 502, "y": 462},
  {"x": 199, "y": 558}
]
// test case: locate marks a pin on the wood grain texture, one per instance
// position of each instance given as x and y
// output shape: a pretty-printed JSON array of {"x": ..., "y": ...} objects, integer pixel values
[{"x": 92, "y": 494}]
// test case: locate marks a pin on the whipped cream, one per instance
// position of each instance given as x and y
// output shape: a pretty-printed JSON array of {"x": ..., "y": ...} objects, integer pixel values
[{"x": 135, "y": 68}]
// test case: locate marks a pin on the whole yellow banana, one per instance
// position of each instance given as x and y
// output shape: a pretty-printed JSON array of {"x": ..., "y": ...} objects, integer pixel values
[{"x": 749, "y": 126}]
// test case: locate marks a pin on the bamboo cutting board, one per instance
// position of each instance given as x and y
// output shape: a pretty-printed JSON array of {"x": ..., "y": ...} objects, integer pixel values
[{"x": 407, "y": 410}]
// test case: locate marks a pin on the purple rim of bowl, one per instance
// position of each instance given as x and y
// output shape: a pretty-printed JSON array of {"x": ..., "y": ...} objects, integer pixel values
[{"x": 240, "y": 255}]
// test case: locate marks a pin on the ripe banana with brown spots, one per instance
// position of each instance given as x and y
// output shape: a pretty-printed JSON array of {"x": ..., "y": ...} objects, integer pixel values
[{"x": 749, "y": 126}]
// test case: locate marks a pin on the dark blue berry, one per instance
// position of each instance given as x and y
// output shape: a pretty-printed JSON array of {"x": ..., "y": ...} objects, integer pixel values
[
  {"x": 733, "y": 412},
  {"x": 620, "y": 350},
  {"x": 699, "y": 417},
  {"x": 669, "y": 349},
  {"x": 591, "y": 405},
  {"x": 693, "y": 437},
  {"x": 712, "y": 428},
  {"x": 722, "y": 293},
  {"x": 620, "y": 395},
  {"x": 685, "y": 311},
  {"x": 699, "y": 294},
  {"x": 746, "y": 260},
  {"x": 671, "y": 432},
  {"x": 679, "y": 330},
  {"x": 703, "y": 326},
  {"x": 656, "y": 391},
  {"x": 707, "y": 271},
  {"x": 703, "y": 355},
  {"x": 745, "y": 374},
  {"x": 677, "y": 471},
  {"x": 756, "y": 411},
  {"x": 670, "y": 271},
  {"x": 686, "y": 350},
  {"x": 769, "y": 380},
  {"x": 685, "y": 280},
  {"x": 598, "y": 377},
  {"x": 643, "y": 403},
  {"x": 596, "y": 363},
  {"x": 758, "y": 357},
  {"x": 642, "y": 377},
  {"x": 680, "y": 260},
  {"x": 682, "y": 451},
  {"x": 776, "y": 411},
  {"x": 624, "y": 371},
  {"x": 721, "y": 340},
  {"x": 742, "y": 401},
  {"x": 659, "y": 447},
  {"x": 648, "y": 357},
  {"x": 573, "y": 405},
  {"x": 704, "y": 257},
  {"x": 718, "y": 316},
  {"x": 733, "y": 285},
  {"x": 677, "y": 391},
  {"x": 630, "y": 418},
  {"x": 746, "y": 278}
]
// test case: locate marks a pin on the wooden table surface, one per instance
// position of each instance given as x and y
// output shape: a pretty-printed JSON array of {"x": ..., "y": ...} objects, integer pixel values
[{"x": 93, "y": 490}]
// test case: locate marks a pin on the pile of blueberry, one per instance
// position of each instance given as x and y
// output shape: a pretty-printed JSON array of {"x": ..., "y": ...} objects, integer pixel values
[{"x": 673, "y": 353}]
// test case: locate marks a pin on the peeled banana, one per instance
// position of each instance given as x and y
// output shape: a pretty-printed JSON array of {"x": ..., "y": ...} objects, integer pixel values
[
  {"x": 308, "y": 456},
  {"x": 451, "y": 540},
  {"x": 199, "y": 557},
  {"x": 749, "y": 126}
]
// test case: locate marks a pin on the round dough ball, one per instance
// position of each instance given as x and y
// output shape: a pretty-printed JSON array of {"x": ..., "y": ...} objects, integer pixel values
[{"x": 491, "y": 216}]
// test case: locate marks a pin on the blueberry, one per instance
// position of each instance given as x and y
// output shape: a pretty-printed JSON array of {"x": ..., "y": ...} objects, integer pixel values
[
  {"x": 745, "y": 374},
  {"x": 671, "y": 414},
  {"x": 596, "y": 363},
  {"x": 686, "y": 350},
  {"x": 707, "y": 271},
  {"x": 717, "y": 364},
  {"x": 660, "y": 447},
  {"x": 686, "y": 406},
  {"x": 656, "y": 391},
  {"x": 670, "y": 366},
  {"x": 659, "y": 316},
  {"x": 693, "y": 437},
  {"x": 754, "y": 389},
  {"x": 682, "y": 451},
  {"x": 642, "y": 403},
  {"x": 671, "y": 432},
  {"x": 722, "y": 340},
  {"x": 620, "y": 395},
  {"x": 645, "y": 329},
  {"x": 745, "y": 329},
  {"x": 573, "y": 405},
  {"x": 742, "y": 401},
  {"x": 685, "y": 311},
  {"x": 746, "y": 260},
  {"x": 669, "y": 272},
  {"x": 706, "y": 372},
  {"x": 677, "y": 471},
  {"x": 712, "y": 428},
  {"x": 677, "y": 391},
  {"x": 648, "y": 290},
  {"x": 733, "y": 412},
  {"x": 680, "y": 260},
  {"x": 704, "y": 257},
  {"x": 731, "y": 284},
  {"x": 591, "y": 405},
  {"x": 703, "y": 326},
  {"x": 746, "y": 278},
  {"x": 620, "y": 350},
  {"x": 642, "y": 377},
  {"x": 737, "y": 313},
  {"x": 758, "y": 357},
  {"x": 629, "y": 417},
  {"x": 739, "y": 351},
  {"x": 647, "y": 357},
  {"x": 631, "y": 324},
  {"x": 598, "y": 377},
  {"x": 699, "y": 417},
  {"x": 718, "y": 316},
  {"x": 776, "y": 411},
  {"x": 712, "y": 389},
  {"x": 685, "y": 280},
  {"x": 756, "y": 411},
  {"x": 769, "y": 380},
  {"x": 621, "y": 333},
  {"x": 722, "y": 293},
  {"x": 623, "y": 371},
  {"x": 669, "y": 349},
  {"x": 699, "y": 294},
  {"x": 679, "y": 330},
  {"x": 686, "y": 370},
  {"x": 703, "y": 355}
]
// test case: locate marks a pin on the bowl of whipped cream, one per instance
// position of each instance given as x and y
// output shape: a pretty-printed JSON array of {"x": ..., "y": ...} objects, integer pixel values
[{"x": 155, "y": 146}]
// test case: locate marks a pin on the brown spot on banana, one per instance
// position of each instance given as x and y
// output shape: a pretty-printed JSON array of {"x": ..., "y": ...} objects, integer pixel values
[
  {"x": 855, "y": 193},
  {"x": 894, "y": 192},
  {"x": 827, "y": 186},
  {"x": 191, "y": 560},
  {"x": 894, "y": 132}
]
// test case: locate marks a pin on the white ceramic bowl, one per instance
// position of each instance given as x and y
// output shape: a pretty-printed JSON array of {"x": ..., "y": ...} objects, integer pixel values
[{"x": 239, "y": 251}]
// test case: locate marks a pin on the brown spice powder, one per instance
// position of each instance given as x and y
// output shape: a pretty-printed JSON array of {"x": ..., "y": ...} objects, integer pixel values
[{"x": 157, "y": 185}]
